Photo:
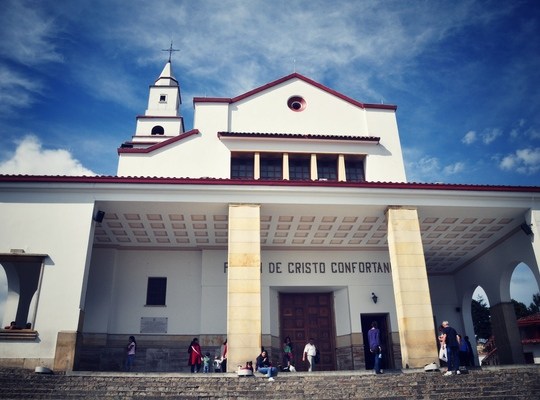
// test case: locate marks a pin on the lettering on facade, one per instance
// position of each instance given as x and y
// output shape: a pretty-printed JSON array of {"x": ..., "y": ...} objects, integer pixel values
[{"x": 333, "y": 267}]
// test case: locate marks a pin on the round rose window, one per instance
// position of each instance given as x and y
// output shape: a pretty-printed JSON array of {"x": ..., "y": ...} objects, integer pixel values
[{"x": 296, "y": 103}]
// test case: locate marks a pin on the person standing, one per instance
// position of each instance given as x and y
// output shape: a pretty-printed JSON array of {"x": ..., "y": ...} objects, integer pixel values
[
  {"x": 224, "y": 356},
  {"x": 130, "y": 349},
  {"x": 451, "y": 342},
  {"x": 470, "y": 354},
  {"x": 463, "y": 352},
  {"x": 374, "y": 341},
  {"x": 195, "y": 356},
  {"x": 310, "y": 351},
  {"x": 287, "y": 353}
]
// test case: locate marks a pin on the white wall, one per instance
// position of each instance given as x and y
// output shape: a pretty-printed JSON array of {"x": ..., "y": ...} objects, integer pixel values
[
  {"x": 132, "y": 268},
  {"x": 205, "y": 155},
  {"x": 61, "y": 230},
  {"x": 197, "y": 289}
]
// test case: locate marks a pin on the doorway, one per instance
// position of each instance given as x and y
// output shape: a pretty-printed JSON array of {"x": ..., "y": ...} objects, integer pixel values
[
  {"x": 304, "y": 316},
  {"x": 386, "y": 342}
]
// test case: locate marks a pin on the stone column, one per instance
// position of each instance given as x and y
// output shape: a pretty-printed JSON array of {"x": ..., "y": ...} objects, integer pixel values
[
  {"x": 257, "y": 166},
  {"x": 67, "y": 349},
  {"x": 313, "y": 167},
  {"x": 411, "y": 289},
  {"x": 506, "y": 332},
  {"x": 342, "y": 173},
  {"x": 286, "y": 166},
  {"x": 243, "y": 285}
]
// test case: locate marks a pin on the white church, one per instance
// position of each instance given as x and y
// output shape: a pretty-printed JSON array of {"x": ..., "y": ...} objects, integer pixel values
[{"x": 285, "y": 211}]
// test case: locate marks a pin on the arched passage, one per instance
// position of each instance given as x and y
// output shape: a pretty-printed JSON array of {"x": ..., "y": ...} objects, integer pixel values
[{"x": 523, "y": 284}]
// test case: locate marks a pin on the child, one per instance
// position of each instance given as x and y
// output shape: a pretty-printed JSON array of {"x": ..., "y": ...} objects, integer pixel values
[
  {"x": 217, "y": 364},
  {"x": 130, "y": 349},
  {"x": 206, "y": 363}
]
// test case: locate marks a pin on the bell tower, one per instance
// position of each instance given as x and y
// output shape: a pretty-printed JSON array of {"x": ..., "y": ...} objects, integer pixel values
[{"x": 162, "y": 119}]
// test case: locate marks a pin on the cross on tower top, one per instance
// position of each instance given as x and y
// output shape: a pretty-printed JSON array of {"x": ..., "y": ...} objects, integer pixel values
[{"x": 170, "y": 50}]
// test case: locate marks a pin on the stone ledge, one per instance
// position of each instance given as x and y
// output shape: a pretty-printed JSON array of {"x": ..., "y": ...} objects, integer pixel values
[{"x": 18, "y": 334}]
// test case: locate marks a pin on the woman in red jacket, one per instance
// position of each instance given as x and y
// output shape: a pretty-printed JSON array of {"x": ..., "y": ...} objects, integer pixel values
[{"x": 195, "y": 355}]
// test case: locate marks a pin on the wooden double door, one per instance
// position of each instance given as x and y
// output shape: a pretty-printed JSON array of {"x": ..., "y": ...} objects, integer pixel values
[{"x": 304, "y": 316}]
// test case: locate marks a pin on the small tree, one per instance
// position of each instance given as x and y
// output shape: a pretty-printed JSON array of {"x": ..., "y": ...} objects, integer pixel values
[
  {"x": 520, "y": 309},
  {"x": 535, "y": 305}
]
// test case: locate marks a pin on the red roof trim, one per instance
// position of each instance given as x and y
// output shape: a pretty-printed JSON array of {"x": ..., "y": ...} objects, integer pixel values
[
  {"x": 245, "y": 182},
  {"x": 157, "y": 117},
  {"x": 530, "y": 320},
  {"x": 124, "y": 150},
  {"x": 285, "y": 79},
  {"x": 299, "y": 136}
]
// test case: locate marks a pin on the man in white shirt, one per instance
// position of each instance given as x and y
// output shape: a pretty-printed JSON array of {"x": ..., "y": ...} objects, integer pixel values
[{"x": 310, "y": 351}]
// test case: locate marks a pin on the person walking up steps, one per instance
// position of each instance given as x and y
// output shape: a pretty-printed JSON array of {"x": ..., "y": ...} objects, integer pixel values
[{"x": 374, "y": 340}]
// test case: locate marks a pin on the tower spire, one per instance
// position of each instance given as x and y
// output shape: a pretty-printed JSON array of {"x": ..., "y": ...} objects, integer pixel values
[{"x": 170, "y": 50}]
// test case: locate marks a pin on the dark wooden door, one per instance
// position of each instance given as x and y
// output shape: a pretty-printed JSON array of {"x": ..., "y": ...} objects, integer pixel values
[
  {"x": 309, "y": 315},
  {"x": 386, "y": 343}
]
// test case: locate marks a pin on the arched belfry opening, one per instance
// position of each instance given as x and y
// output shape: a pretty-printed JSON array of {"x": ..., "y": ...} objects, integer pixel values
[{"x": 158, "y": 130}]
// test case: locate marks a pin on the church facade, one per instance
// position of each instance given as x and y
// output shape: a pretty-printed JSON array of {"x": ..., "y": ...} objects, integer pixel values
[{"x": 284, "y": 212}]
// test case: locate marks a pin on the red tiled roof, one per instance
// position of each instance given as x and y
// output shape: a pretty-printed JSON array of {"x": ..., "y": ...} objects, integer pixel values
[
  {"x": 529, "y": 320},
  {"x": 251, "y": 182},
  {"x": 285, "y": 79},
  {"x": 300, "y": 136}
]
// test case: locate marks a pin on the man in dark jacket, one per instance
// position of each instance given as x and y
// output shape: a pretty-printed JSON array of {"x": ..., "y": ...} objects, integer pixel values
[{"x": 451, "y": 341}]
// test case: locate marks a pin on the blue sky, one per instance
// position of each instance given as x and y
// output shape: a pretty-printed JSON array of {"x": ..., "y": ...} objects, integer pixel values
[{"x": 464, "y": 74}]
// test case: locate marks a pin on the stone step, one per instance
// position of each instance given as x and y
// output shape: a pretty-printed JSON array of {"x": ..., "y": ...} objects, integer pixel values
[{"x": 517, "y": 382}]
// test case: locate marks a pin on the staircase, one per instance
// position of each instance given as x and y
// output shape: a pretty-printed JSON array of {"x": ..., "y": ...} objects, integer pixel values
[{"x": 515, "y": 382}]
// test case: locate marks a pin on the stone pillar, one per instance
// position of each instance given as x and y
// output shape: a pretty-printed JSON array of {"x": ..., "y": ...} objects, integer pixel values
[
  {"x": 286, "y": 166},
  {"x": 243, "y": 285},
  {"x": 257, "y": 166},
  {"x": 66, "y": 355},
  {"x": 411, "y": 289},
  {"x": 506, "y": 332},
  {"x": 313, "y": 167},
  {"x": 342, "y": 174}
]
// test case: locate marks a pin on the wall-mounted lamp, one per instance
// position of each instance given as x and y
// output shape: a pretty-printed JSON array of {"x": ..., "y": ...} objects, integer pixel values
[
  {"x": 99, "y": 216},
  {"x": 525, "y": 227},
  {"x": 374, "y": 297}
]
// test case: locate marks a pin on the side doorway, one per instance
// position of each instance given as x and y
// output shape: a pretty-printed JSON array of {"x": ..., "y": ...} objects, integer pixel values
[
  {"x": 386, "y": 339},
  {"x": 304, "y": 316}
]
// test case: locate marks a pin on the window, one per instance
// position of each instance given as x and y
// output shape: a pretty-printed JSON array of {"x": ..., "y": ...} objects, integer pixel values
[
  {"x": 271, "y": 166},
  {"x": 156, "y": 291},
  {"x": 158, "y": 130},
  {"x": 354, "y": 170},
  {"x": 327, "y": 167},
  {"x": 242, "y": 166},
  {"x": 296, "y": 103},
  {"x": 299, "y": 168},
  {"x": 162, "y": 98}
]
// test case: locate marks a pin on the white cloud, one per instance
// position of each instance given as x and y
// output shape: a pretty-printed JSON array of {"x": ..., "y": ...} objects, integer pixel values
[
  {"x": 455, "y": 168},
  {"x": 423, "y": 169},
  {"x": 28, "y": 33},
  {"x": 16, "y": 91},
  {"x": 490, "y": 135},
  {"x": 31, "y": 159},
  {"x": 222, "y": 41},
  {"x": 523, "y": 161},
  {"x": 469, "y": 138}
]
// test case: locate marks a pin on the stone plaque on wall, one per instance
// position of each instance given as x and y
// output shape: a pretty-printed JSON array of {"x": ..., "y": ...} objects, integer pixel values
[{"x": 154, "y": 325}]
